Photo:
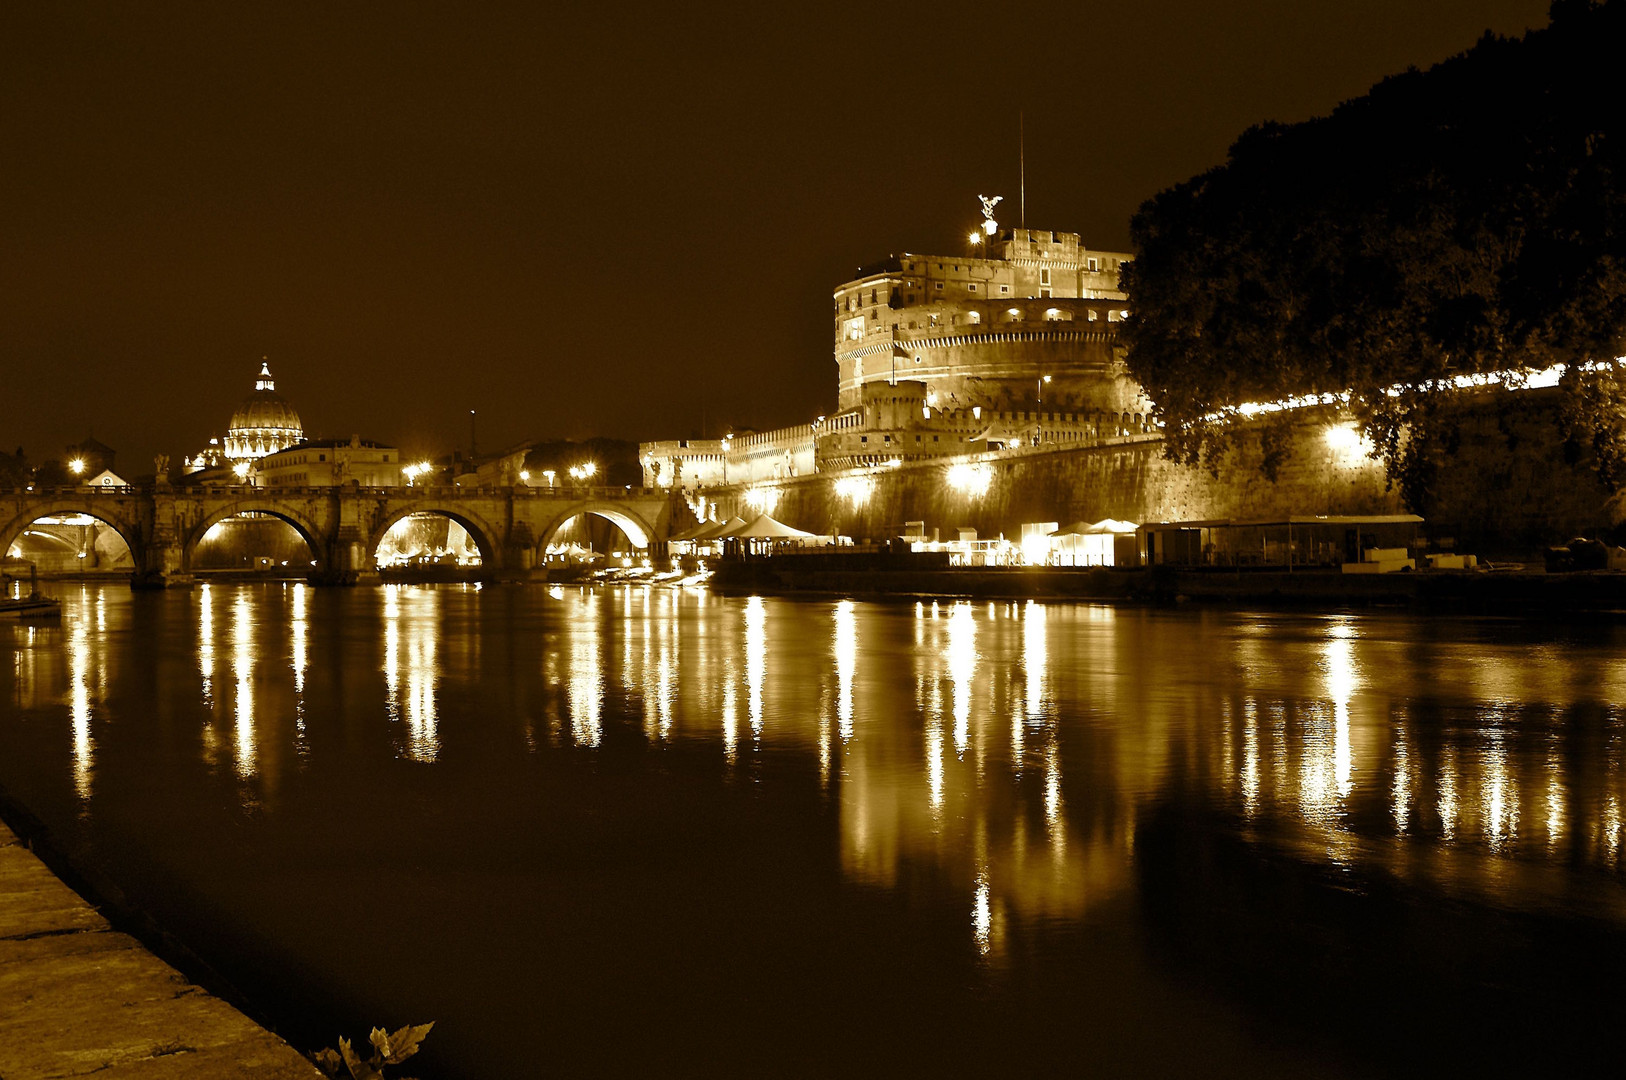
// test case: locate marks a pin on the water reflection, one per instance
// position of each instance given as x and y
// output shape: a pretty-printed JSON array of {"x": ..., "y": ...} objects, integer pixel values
[
  {"x": 411, "y": 667},
  {"x": 81, "y": 685},
  {"x": 1008, "y": 755}
]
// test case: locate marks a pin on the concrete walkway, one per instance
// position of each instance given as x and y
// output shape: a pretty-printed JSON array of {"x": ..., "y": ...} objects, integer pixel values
[{"x": 77, "y": 998}]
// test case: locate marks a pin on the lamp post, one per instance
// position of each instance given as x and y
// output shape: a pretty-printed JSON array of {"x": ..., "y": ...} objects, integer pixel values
[{"x": 1038, "y": 423}]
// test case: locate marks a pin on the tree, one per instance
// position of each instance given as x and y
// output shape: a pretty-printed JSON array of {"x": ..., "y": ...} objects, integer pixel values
[
  {"x": 1459, "y": 220},
  {"x": 14, "y": 470}
]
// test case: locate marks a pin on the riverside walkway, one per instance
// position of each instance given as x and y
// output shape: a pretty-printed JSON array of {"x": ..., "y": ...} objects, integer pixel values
[{"x": 78, "y": 998}]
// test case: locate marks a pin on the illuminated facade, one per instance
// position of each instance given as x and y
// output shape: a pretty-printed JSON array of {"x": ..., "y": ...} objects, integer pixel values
[
  {"x": 330, "y": 462},
  {"x": 985, "y": 331},
  {"x": 263, "y": 424},
  {"x": 1012, "y": 347}
]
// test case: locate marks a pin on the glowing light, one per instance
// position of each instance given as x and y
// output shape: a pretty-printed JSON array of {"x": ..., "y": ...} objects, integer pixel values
[
  {"x": 240, "y": 469},
  {"x": 1513, "y": 378},
  {"x": 76, "y": 466},
  {"x": 1036, "y": 549},
  {"x": 762, "y": 499},
  {"x": 970, "y": 479},
  {"x": 1346, "y": 443},
  {"x": 525, "y": 476},
  {"x": 855, "y": 489},
  {"x": 975, "y": 237}
]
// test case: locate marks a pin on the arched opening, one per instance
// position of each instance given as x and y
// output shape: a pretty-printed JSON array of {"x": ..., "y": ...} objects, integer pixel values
[
  {"x": 260, "y": 543},
  {"x": 65, "y": 544},
  {"x": 596, "y": 536},
  {"x": 431, "y": 545}
]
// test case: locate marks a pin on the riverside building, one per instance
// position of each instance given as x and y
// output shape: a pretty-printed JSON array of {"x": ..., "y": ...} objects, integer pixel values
[{"x": 1011, "y": 345}]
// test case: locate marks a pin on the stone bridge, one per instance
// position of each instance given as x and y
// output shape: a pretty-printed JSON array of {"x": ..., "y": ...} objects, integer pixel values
[{"x": 511, "y": 526}]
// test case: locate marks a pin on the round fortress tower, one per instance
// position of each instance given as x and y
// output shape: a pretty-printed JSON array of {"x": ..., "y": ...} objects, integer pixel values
[{"x": 985, "y": 330}]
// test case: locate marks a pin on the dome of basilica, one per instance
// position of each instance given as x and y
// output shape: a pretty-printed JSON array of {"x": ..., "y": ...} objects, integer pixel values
[{"x": 264, "y": 423}]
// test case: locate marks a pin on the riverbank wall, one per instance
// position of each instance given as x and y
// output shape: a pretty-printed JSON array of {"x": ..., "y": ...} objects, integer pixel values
[
  {"x": 1518, "y": 593},
  {"x": 1507, "y": 482},
  {"x": 83, "y": 998}
]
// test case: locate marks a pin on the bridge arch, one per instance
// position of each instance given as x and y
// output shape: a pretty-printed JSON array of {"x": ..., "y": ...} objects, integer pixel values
[
  {"x": 482, "y": 532},
  {"x": 308, "y": 531},
  {"x": 631, "y": 523},
  {"x": 127, "y": 531}
]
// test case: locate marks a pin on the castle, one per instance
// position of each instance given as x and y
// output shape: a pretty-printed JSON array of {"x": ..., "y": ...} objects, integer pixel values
[{"x": 941, "y": 355}]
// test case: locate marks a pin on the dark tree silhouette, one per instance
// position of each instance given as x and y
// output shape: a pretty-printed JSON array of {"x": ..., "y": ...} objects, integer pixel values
[{"x": 1464, "y": 219}]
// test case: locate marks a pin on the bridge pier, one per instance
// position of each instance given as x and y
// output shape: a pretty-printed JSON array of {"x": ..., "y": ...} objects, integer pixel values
[{"x": 159, "y": 562}]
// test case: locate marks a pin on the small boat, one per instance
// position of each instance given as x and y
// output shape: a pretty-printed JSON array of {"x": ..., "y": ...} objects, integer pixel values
[
  {"x": 35, "y": 606},
  {"x": 30, "y": 607}
]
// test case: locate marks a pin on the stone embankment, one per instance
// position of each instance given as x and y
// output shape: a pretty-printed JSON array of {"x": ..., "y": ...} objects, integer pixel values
[
  {"x": 1462, "y": 592},
  {"x": 78, "y": 998}
]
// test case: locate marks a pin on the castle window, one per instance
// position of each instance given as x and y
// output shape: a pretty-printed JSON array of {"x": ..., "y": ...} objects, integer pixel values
[
  {"x": 1044, "y": 293},
  {"x": 1044, "y": 275},
  {"x": 1095, "y": 265},
  {"x": 972, "y": 287},
  {"x": 939, "y": 286},
  {"x": 1004, "y": 289}
]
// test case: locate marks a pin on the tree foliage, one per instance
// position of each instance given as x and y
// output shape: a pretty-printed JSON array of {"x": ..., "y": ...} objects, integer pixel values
[{"x": 1464, "y": 219}]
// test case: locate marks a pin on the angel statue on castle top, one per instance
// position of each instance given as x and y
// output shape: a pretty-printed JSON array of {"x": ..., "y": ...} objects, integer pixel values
[{"x": 989, "y": 225}]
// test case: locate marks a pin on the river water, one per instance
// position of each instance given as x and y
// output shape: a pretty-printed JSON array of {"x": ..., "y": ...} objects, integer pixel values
[{"x": 629, "y": 831}]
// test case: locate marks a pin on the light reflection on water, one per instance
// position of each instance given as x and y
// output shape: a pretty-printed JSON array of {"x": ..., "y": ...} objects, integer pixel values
[{"x": 1009, "y": 751}]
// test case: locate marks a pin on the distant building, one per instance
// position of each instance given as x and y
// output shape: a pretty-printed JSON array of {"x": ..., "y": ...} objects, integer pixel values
[
  {"x": 107, "y": 478},
  {"x": 330, "y": 463},
  {"x": 265, "y": 445},
  {"x": 263, "y": 424}
]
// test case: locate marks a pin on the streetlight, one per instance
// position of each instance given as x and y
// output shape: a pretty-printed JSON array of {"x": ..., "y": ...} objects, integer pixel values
[
  {"x": 76, "y": 466},
  {"x": 1038, "y": 423},
  {"x": 548, "y": 475},
  {"x": 524, "y": 476}
]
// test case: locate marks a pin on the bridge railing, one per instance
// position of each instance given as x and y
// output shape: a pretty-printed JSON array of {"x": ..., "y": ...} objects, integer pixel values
[
  {"x": 439, "y": 491},
  {"x": 74, "y": 489}
]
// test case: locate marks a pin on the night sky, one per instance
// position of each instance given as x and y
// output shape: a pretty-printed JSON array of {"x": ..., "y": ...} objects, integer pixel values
[{"x": 608, "y": 220}]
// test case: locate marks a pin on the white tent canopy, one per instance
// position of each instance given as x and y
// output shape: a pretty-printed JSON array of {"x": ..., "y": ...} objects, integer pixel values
[{"x": 766, "y": 528}]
